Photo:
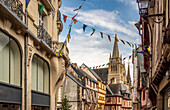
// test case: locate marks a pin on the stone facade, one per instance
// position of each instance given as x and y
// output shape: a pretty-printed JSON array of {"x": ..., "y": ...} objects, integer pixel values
[
  {"x": 135, "y": 81},
  {"x": 155, "y": 36},
  {"x": 34, "y": 40}
]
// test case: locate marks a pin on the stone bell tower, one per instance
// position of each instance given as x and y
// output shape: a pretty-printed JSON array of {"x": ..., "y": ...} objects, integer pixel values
[{"x": 116, "y": 70}]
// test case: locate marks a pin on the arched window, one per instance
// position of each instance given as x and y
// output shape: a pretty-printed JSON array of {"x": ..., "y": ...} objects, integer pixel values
[
  {"x": 10, "y": 60},
  {"x": 40, "y": 77}
]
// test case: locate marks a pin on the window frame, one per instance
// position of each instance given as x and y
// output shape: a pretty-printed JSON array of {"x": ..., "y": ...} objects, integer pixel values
[
  {"x": 37, "y": 91},
  {"x": 18, "y": 45}
]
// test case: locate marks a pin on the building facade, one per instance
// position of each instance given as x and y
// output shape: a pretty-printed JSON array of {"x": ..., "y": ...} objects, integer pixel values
[
  {"x": 30, "y": 72},
  {"x": 101, "y": 87},
  {"x": 91, "y": 83},
  {"x": 155, "y": 36},
  {"x": 135, "y": 81},
  {"x": 101, "y": 95},
  {"x": 118, "y": 97},
  {"x": 72, "y": 89}
]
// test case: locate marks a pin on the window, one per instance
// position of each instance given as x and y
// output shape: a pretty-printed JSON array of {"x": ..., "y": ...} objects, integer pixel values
[
  {"x": 143, "y": 94},
  {"x": 108, "y": 99},
  {"x": 40, "y": 75},
  {"x": 10, "y": 60}
]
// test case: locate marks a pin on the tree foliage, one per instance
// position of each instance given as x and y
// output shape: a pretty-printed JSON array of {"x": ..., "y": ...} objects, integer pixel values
[{"x": 65, "y": 104}]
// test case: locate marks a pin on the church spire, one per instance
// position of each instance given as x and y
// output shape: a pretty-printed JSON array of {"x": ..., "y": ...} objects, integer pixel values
[
  {"x": 115, "y": 48},
  {"x": 129, "y": 78}
]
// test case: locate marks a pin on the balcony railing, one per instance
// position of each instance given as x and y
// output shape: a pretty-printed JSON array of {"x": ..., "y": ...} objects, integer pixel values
[
  {"x": 15, "y": 6},
  {"x": 44, "y": 36}
]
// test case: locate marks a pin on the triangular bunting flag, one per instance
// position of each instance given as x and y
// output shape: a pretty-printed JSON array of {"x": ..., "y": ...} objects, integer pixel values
[
  {"x": 148, "y": 49},
  {"x": 139, "y": 47},
  {"x": 135, "y": 54},
  {"x": 68, "y": 37},
  {"x": 101, "y": 34},
  {"x": 75, "y": 21},
  {"x": 27, "y": 2},
  {"x": 64, "y": 18},
  {"x": 124, "y": 58},
  {"x": 117, "y": 61},
  {"x": 116, "y": 39},
  {"x": 132, "y": 46},
  {"x": 122, "y": 41},
  {"x": 69, "y": 29},
  {"x": 143, "y": 47},
  {"x": 74, "y": 16},
  {"x": 103, "y": 64},
  {"x": 77, "y": 8},
  {"x": 84, "y": 27},
  {"x": 128, "y": 43},
  {"x": 92, "y": 32},
  {"x": 129, "y": 57},
  {"x": 109, "y": 38},
  {"x": 135, "y": 46},
  {"x": 41, "y": 8}
]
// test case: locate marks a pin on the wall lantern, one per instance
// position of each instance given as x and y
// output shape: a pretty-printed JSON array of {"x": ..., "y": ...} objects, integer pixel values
[{"x": 143, "y": 6}]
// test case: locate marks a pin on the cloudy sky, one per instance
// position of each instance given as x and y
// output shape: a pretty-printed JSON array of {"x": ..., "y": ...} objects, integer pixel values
[{"x": 105, "y": 16}]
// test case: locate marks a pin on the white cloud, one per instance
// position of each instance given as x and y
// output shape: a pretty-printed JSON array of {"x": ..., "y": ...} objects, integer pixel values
[
  {"x": 104, "y": 19},
  {"x": 129, "y": 2},
  {"x": 93, "y": 50}
]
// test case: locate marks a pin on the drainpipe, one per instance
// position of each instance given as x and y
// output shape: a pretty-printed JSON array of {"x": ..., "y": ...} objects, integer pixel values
[
  {"x": 25, "y": 59},
  {"x": 25, "y": 68}
]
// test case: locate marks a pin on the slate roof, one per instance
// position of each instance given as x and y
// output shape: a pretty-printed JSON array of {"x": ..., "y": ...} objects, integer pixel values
[
  {"x": 102, "y": 73},
  {"x": 75, "y": 80},
  {"x": 117, "y": 89},
  {"x": 93, "y": 72},
  {"x": 82, "y": 74}
]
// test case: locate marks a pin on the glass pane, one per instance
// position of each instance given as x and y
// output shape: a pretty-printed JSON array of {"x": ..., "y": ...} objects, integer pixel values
[
  {"x": 4, "y": 58},
  {"x": 34, "y": 73},
  {"x": 15, "y": 64},
  {"x": 46, "y": 78},
  {"x": 143, "y": 5},
  {"x": 40, "y": 75}
]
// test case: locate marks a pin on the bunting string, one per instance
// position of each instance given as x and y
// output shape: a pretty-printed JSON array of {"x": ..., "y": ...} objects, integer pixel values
[{"x": 101, "y": 33}]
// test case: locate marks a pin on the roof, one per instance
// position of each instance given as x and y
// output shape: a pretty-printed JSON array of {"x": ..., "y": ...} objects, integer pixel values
[
  {"x": 82, "y": 73},
  {"x": 117, "y": 89},
  {"x": 115, "y": 48},
  {"x": 102, "y": 73},
  {"x": 75, "y": 80},
  {"x": 93, "y": 72}
]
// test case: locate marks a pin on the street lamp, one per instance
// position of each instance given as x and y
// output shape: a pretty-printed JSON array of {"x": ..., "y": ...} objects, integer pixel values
[{"x": 143, "y": 6}]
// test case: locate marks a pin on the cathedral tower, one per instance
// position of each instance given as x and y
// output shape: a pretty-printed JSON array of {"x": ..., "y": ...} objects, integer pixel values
[{"x": 116, "y": 70}]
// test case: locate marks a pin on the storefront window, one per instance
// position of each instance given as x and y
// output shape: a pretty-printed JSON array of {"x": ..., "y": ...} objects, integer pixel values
[
  {"x": 40, "y": 75},
  {"x": 10, "y": 60},
  {"x": 39, "y": 108},
  {"x": 10, "y": 107}
]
